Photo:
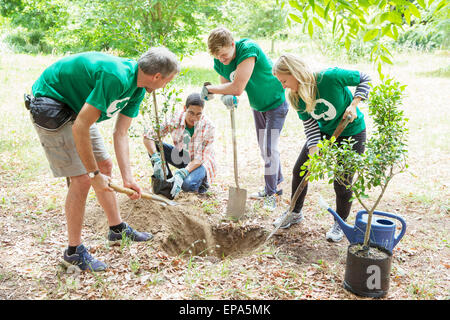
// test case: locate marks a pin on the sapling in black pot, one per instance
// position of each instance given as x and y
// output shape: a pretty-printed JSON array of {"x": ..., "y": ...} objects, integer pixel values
[
  {"x": 151, "y": 115},
  {"x": 384, "y": 157}
]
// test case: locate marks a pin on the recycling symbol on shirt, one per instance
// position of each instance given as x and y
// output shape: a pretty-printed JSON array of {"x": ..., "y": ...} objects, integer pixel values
[
  {"x": 324, "y": 110},
  {"x": 114, "y": 107}
]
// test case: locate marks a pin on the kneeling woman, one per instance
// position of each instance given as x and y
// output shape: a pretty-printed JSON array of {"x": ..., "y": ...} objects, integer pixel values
[{"x": 321, "y": 100}]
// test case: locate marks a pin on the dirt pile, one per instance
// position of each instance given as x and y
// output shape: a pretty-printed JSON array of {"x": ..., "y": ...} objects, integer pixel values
[{"x": 183, "y": 229}]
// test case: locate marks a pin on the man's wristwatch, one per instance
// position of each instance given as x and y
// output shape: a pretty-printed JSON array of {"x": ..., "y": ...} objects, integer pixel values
[{"x": 93, "y": 174}]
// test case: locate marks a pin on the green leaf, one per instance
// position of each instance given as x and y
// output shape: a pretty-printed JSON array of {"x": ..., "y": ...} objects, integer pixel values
[
  {"x": 311, "y": 3},
  {"x": 295, "y": 5},
  {"x": 320, "y": 11},
  {"x": 318, "y": 23},
  {"x": 385, "y": 59},
  {"x": 395, "y": 17},
  {"x": 370, "y": 35},
  {"x": 295, "y": 18},
  {"x": 310, "y": 29},
  {"x": 364, "y": 3},
  {"x": 407, "y": 15},
  {"x": 441, "y": 5},
  {"x": 414, "y": 10},
  {"x": 422, "y": 3},
  {"x": 347, "y": 43},
  {"x": 327, "y": 8}
]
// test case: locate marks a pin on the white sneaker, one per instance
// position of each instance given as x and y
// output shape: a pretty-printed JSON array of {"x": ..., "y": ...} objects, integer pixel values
[
  {"x": 293, "y": 218},
  {"x": 262, "y": 194},
  {"x": 335, "y": 234},
  {"x": 270, "y": 203}
]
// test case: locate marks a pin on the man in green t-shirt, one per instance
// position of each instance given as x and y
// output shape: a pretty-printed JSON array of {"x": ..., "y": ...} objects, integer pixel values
[
  {"x": 242, "y": 65},
  {"x": 96, "y": 86}
]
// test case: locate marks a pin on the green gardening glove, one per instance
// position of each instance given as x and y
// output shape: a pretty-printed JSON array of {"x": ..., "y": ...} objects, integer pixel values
[
  {"x": 177, "y": 179},
  {"x": 157, "y": 166},
  {"x": 230, "y": 101}
]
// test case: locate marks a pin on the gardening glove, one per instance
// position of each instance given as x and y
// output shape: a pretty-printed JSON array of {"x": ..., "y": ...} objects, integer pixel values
[
  {"x": 177, "y": 179},
  {"x": 230, "y": 101},
  {"x": 204, "y": 94},
  {"x": 157, "y": 165}
]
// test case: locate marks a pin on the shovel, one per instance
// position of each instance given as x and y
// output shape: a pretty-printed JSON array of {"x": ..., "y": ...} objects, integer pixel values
[
  {"x": 236, "y": 196},
  {"x": 304, "y": 182},
  {"x": 144, "y": 195}
]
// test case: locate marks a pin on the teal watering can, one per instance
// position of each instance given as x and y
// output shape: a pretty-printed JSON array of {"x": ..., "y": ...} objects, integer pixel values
[{"x": 382, "y": 232}]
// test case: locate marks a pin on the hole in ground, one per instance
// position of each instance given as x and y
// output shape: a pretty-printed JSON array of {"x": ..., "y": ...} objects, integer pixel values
[
  {"x": 183, "y": 230},
  {"x": 191, "y": 240}
]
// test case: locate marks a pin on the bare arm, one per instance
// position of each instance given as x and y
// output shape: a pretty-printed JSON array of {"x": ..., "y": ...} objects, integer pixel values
[
  {"x": 150, "y": 145},
  {"x": 121, "y": 148},
  {"x": 194, "y": 164},
  {"x": 236, "y": 87}
]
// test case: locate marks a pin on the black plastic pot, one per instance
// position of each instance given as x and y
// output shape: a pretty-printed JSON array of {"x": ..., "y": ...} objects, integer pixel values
[
  {"x": 368, "y": 277},
  {"x": 162, "y": 187}
]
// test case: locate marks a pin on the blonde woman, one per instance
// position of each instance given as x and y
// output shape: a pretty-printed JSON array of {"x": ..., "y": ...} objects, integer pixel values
[{"x": 321, "y": 100}]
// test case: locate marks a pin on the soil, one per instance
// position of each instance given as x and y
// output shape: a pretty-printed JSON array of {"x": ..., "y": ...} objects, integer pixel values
[
  {"x": 184, "y": 229},
  {"x": 371, "y": 253}
]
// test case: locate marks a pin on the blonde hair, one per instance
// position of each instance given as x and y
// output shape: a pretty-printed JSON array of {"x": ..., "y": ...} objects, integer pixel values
[
  {"x": 307, "y": 89},
  {"x": 219, "y": 38}
]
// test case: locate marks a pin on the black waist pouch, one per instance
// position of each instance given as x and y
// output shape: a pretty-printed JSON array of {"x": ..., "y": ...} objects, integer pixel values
[
  {"x": 162, "y": 187},
  {"x": 48, "y": 113}
]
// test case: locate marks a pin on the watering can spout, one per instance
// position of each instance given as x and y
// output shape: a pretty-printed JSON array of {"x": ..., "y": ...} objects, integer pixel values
[{"x": 346, "y": 228}]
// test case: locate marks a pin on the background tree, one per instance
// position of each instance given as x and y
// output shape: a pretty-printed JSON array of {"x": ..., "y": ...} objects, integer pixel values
[
  {"x": 32, "y": 20},
  {"x": 369, "y": 20},
  {"x": 257, "y": 19},
  {"x": 127, "y": 26}
]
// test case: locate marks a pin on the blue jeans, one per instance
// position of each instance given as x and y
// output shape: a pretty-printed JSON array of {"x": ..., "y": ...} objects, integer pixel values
[
  {"x": 268, "y": 127},
  {"x": 196, "y": 181}
]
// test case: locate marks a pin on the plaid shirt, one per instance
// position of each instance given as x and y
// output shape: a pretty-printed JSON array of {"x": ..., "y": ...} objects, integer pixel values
[{"x": 201, "y": 145}]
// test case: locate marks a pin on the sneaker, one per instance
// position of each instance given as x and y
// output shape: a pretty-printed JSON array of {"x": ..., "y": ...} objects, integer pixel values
[
  {"x": 82, "y": 260},
  {"x": 130, "y": 233},
  {"x": 270, "y": 203},
  {"x": 294, "y": 217},
  {"x": 335, "y": 234},
  {"x": 262, "y": 194}
]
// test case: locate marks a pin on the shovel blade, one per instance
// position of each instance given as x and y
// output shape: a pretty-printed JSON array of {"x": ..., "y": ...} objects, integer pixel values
[{"x": 236, "y": 202}]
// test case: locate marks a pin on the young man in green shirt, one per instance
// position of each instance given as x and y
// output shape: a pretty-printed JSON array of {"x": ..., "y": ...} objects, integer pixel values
[
  {"x": 95, "y": 86},
  {"x": 242, "y": 65},
  {"x": 192, "y": 152}
]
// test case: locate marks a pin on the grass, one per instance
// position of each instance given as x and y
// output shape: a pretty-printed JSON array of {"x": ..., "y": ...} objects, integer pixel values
[
  {"x": 443, "y": 72},
  {"x": 195, "y": 76}
]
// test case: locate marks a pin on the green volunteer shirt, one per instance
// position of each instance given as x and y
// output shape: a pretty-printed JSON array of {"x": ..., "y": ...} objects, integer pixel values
[
  {"x": 104, "y": 81},
  {"x": 187, "y": 136},
  {"x": 333, "y": 97},
  {"x": 264, "y": 91}
]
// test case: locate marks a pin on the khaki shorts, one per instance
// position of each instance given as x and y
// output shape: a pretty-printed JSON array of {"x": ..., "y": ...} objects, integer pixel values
[{"x": 61, "y": 153}]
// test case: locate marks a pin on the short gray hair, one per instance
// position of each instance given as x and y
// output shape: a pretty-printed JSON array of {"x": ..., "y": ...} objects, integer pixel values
[{"x": 159, "y": 60}]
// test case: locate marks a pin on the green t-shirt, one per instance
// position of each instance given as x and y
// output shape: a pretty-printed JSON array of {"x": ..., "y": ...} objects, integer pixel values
[
  {"x": 104, "y": 81},
  {"x": 333, "y": 97},
  {"x": 190, "y": 130},
  {"x": 264, "y": 91},
  {"x": 187, "y": 135}
]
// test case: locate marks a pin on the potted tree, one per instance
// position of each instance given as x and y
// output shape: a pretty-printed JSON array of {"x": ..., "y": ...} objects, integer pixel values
[
  {"x": 153, "y": 118},
  {"x": 368, "y": 265}
]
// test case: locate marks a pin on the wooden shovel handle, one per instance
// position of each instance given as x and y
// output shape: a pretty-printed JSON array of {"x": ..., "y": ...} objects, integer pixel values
[
  {"x": 144, "y": 195},
  {"x": 341, "y": 126}
]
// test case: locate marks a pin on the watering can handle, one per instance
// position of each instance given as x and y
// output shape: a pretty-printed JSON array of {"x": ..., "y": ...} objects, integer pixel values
[{"x": 390, "y": 215}]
